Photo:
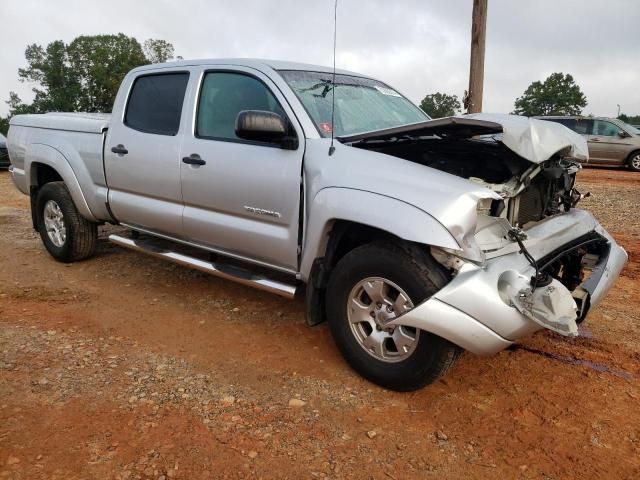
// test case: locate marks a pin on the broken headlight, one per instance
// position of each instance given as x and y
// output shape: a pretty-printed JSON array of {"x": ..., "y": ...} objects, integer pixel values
[{"x": 490, "y": 207}]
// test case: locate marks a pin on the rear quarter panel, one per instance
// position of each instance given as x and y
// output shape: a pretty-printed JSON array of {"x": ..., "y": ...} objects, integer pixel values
[{"x": 76, "y": 156}]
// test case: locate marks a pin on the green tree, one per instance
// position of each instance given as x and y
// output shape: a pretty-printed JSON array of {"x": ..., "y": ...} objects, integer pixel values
[
  {"x": 84, "y": 75},
  {"x": 630, "y": 119},
  {"x": 99, "y": 64},
  {"x": 438, "y": 105},
  {"x": 158, "y": 51},
  {"x": 56, "y": 89},
  {"x": 557, "y": 95},
  {"x": 16, "y": 107},
  {"x": 4, "y": 125}
]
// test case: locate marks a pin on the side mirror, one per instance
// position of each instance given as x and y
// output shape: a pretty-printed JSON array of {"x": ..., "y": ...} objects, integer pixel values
[
  {"x": 262, "y": 126},
  {"x": 623, "y": 134}
]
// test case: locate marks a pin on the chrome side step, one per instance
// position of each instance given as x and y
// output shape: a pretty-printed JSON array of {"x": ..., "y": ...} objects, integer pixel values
[{"x": 229, "y": 272}]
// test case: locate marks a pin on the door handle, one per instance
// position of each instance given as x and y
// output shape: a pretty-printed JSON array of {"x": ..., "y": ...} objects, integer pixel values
[
  {"x": 119, "y": 149},
  {"x": 595, "y": 139},
  {"x": 194, "y": 159}
]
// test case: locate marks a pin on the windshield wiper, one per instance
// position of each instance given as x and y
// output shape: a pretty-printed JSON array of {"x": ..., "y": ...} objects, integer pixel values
[
  {"x": 328, "y": 86},
  {"x": 382, "y": 141}
]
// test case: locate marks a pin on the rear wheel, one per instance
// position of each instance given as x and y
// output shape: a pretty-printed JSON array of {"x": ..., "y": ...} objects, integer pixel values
[
  {"x": 66, "y": 235},
  {"x": 634, "y": 161},
  {"x": 370, "y": 286}
]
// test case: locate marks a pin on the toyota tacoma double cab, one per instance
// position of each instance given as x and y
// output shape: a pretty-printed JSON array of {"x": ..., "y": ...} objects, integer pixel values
[{"x": 414, "y": 238}]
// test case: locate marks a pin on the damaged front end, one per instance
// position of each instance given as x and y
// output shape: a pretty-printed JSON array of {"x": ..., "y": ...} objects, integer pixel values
[
  {"x": 558, "y": 294},
  {"x": 533, "y": 259},
  {"x": 485, "y": 307}
]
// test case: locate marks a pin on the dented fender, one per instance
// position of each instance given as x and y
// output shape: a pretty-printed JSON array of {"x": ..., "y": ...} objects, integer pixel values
[{"x": 372, "y": 209}]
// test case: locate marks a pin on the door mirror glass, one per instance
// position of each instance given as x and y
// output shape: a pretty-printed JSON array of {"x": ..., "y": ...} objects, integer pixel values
[{"x": 260, "y": 126}]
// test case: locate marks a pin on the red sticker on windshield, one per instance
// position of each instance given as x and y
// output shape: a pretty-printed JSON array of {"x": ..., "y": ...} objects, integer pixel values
[{"x": 326, "y": 127}]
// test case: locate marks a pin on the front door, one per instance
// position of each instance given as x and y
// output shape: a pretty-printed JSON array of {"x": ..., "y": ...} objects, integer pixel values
[
  {"x": 241, "y": 197},
  {"x": 142, "y": 154},
  {"x": 606, "y": 145}
]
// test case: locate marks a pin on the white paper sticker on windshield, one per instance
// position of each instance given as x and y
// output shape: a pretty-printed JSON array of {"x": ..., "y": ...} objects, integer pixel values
[{"x": 387, "y": 91}]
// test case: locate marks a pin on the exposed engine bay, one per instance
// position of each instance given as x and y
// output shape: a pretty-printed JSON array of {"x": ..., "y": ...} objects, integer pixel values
[
  {"x": 557, "y": 294},
  {"x": 530, "y": 191},
  {"x": 527, "y": 253}
]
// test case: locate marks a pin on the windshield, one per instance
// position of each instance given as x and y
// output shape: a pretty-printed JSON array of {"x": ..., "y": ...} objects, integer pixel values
[
  {"x": 362, "y": 104},
  {"x": 630, "y": 128}
]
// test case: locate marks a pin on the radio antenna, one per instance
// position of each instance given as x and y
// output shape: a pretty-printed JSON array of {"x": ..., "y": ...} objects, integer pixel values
[{"x": 333, "y": 81}]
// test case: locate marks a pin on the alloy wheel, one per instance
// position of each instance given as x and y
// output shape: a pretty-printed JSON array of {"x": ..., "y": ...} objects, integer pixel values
[
  {"x": 372, "y": 303},
  {"x": 54, "y": 223}
]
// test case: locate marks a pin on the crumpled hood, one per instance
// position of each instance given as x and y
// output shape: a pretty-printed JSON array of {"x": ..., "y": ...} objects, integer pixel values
[
  {"x": 536, "y": 140},
  {"x": 532, "y": 139}
]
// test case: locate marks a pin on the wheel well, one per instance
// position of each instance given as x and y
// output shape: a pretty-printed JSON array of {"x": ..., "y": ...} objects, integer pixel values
[
  {"x": 41, "y": 174},
  {"x": 632, "y": 154},
  {"x": 344, "y": 236}
]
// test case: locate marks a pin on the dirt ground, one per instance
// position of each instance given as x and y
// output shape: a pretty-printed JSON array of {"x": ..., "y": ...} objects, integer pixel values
[{"x": 126, "y": 367}]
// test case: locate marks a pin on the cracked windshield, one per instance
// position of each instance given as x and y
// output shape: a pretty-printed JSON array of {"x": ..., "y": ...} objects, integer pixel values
[{"x": 362, "y": 104}]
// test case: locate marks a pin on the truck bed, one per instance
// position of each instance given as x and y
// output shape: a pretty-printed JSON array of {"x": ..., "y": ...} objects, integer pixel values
[
  {"x": 73, "y": 122},
  {"x": 72, "y": 145}
]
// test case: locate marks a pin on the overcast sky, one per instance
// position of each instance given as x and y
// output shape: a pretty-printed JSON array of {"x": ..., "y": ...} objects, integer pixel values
[{"x": 417, "y": 46}]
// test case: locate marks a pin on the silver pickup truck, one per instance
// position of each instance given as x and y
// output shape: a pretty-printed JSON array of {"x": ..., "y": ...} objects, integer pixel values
[{"x": 415, "y": 238}]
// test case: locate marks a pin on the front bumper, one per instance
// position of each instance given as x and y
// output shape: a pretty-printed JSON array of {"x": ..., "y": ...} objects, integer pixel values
[
  {"x": 18, "y": 179},
  {"x": 475, "y": 311}
]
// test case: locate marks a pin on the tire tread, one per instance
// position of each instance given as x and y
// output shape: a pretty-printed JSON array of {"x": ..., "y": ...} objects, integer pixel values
[
  {"x": 81, "y": 233},
  {"x": 410, "y": 258}
]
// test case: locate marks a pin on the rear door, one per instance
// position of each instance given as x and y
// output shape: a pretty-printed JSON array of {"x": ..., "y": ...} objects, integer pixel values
[
  {"x": 606, "y": 145},
  {"x": 142, "y": 153},
  {"x": 243, "y": 198}
]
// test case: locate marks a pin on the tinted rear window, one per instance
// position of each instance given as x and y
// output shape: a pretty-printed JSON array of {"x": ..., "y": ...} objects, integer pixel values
[
  {"x": 567, "y": 122},
  {"x": 582, "y": 126},
  {"x": 155, "y": 103}
]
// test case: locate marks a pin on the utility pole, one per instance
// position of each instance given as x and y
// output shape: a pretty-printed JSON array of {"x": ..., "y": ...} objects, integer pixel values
[{"x": 473, "y": 101}]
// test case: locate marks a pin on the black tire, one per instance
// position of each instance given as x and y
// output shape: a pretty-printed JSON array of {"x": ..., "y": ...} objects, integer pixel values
[
  {"x": 81, "y": 234},
  {"x": 633, "y": 162},
  {"x": 412, "y": 269}
]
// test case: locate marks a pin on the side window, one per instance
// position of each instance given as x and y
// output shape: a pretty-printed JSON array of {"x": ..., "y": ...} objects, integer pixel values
[
  {"x": 583, "y": 126},
  {"x": 605, "y": 129},
  {"x": 570, "y": 123},
  {"x": 223, "y": 95},
  {"x": 155, "y": 103}
]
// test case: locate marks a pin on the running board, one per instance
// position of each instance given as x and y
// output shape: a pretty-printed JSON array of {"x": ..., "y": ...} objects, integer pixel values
[{"x": 228, "y": 272}]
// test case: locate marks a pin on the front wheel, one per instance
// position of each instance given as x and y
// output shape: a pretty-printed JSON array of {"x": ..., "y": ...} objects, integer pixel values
[
  {"x": 66, "y": 235},
  {"x": 371, "y": 285}
]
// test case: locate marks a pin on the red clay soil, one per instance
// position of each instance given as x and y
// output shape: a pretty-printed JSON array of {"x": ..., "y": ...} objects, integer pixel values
[{"x": 126, "y": 367}]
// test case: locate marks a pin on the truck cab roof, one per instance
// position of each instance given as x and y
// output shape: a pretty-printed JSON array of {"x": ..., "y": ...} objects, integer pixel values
[{"x": 257, "y": 63}]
